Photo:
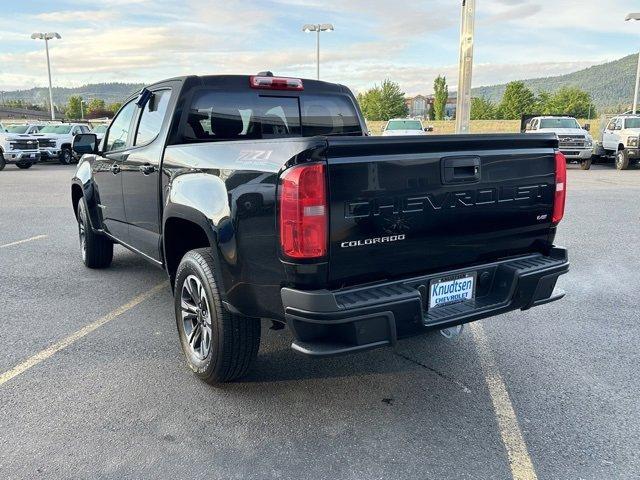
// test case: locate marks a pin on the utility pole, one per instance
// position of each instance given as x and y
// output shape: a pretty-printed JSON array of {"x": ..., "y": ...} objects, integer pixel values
[
  {"x": 635, "y": 16},
  {"x": 463, "y": 107}
]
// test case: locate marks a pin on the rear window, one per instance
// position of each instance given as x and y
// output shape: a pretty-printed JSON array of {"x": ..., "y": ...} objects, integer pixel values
[
  {"x": 217, "y": 116},
  {"x": 329, "y": 115}
]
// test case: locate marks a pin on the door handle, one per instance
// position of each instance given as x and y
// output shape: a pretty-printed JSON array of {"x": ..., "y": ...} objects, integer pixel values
[
  {"x": 115, "y": 168},
  {"x": 147, "y": 169}
]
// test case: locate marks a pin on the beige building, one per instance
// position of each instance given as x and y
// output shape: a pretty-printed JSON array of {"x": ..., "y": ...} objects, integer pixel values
[{"x": 421, "y": 105}]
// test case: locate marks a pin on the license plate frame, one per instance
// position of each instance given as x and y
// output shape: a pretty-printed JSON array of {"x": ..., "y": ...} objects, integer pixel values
[{"x": 468, "y": 293}]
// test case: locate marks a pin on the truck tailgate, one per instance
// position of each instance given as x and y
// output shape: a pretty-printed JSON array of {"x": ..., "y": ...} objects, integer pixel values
[{"x": 431, "y": 203}]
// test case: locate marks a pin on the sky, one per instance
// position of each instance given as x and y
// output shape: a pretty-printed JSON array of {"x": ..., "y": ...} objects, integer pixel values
[{"x": 410, "y": 42}]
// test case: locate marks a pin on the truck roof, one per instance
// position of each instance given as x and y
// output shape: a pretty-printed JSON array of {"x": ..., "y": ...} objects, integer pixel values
[
  {"x": 554, "y": 116},
  {"x": 242, "y": 81}
]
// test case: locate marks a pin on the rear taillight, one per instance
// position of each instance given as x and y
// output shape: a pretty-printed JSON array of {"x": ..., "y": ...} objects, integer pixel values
[
  {"x": 303, "y": 212},
  {"x": 275, "y": 83},
  {"x": 561, "y": 188}
]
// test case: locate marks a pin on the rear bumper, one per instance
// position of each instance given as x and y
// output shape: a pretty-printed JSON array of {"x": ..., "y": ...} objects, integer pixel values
[{"x": 328, "y": 323}]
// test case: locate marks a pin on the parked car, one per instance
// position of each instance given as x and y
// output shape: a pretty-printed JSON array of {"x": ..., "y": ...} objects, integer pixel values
[
  {"x": 619, "y": 140},
  {"x": 355, "y": 242},
  {"x": 575, "y": 141},
  {"x": 58, "y": 140},
  {"x": 405, "y": 126},
  {"x": 19, "y": 149},
  {"x": 100, "y": 130}
]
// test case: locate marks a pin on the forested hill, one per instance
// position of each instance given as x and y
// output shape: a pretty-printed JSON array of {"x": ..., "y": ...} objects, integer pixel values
[
  {"x": 109, "y": 92},
  {"x": 610, "y": 84}
]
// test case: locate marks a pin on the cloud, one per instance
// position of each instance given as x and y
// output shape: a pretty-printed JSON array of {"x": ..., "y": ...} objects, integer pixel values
[
  {"x": 75, "y": 16},
  {"x": 409, "y": 42}
]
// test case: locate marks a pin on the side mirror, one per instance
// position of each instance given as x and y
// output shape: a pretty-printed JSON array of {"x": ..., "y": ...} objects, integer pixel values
[
  {"x": 85, "y": 143},
  {"x": 428, "y": 128},
  {"x": 587, "y": 127}
]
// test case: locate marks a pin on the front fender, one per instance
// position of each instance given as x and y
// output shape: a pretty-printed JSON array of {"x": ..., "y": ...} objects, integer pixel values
[{"x": 83, "y": 178}]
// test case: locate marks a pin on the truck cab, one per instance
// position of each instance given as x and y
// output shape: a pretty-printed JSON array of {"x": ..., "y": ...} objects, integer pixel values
[
  {"x": 620, "y": 136},
  {"x": 405, "y": 126},
  {"x": 575, "y": 142},
  {"x": 56, "y": 140},
  {"x": 18, "y": 148}
]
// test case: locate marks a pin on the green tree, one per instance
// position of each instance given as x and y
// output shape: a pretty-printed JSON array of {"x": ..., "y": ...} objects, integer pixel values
[
  {"x": 441, "y": 95},
  {"x": 482, "y": 109},
  {"x": 74, "y": 107},
  {"x": 370, "y": 102},
  {"x": 571, "y": 101},
  {"x": 95, "y": 105},
  {"x": 114, "y": 107},
  {"x": 516, "y": 101},
  {"x": 541, "y": 105},
  {"x": 383, "y": 102}
]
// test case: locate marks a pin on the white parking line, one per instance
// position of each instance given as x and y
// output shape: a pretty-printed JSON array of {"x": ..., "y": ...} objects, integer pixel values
[
  {"x": 519, "y": 459},
  {"x": 65, "y": 342},
  {"x": 37, "y": 237}
]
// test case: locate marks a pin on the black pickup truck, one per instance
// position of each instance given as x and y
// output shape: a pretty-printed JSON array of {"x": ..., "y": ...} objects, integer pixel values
[{"x": 263, "y": 198}]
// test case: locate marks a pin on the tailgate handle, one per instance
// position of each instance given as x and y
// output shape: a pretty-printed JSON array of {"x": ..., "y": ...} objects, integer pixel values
[{"x": 460, "y": 170}]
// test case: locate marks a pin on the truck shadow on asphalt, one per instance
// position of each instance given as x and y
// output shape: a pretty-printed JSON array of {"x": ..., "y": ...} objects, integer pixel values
[{"x": 276, "y": 361}]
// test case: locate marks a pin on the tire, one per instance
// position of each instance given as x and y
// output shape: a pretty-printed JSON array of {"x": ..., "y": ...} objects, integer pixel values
[
  {"x": 96, "y": 249},
  {"x": 66, "y": 157},
  {"x": 2, "y": 162},
  {"x": 223, "y": 345},
  {"x": 586, "y": 164},
  {"x": 24, "y": 165},
  {"x": 622, "y": 160}
]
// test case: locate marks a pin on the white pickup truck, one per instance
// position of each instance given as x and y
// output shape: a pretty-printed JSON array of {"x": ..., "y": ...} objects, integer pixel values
[
  {"x": 575, "y": 141},
  {"x": 620, "y": 139},
  {"x": 19, "y": 149},
  {"x": 404, "y": 126},
  {"x": 59, "y": 140}
]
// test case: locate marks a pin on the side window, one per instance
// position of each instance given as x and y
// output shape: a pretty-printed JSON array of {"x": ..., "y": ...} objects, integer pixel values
[
  {"x": 118, "y": 132},
  {"x": 152, "y": 117},
  {"x": 84, "y": 129},
  {"x": 75, "y": 131}
]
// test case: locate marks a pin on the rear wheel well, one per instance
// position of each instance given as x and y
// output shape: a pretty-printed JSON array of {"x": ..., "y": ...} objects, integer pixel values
[
  {"x": 76, "y": 196},
  {"x": 181, "y": 236}
]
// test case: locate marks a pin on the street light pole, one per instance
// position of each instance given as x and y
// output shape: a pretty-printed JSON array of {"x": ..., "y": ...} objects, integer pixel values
[
  {"x": 320, "y": 27},
  {"x": 463, "y": 107},
  {"x": 46, "y": 37},
  {"x": 318, "y": 54},
  {"x": 635, "y": 16}
]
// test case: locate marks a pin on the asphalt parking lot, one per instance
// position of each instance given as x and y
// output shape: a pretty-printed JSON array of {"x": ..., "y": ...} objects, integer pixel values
[{"x": 551, "y": 393}]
